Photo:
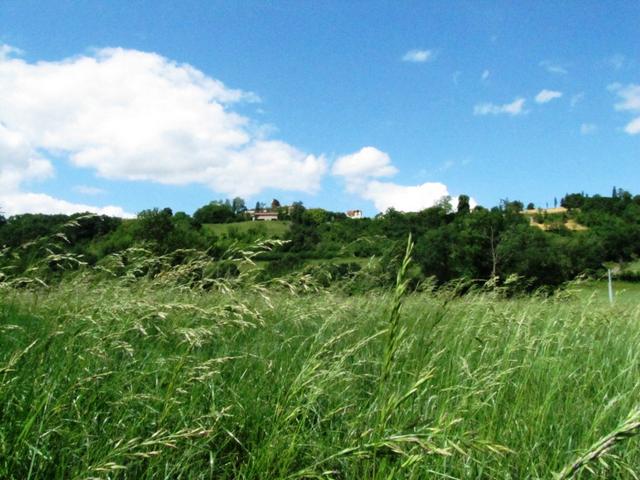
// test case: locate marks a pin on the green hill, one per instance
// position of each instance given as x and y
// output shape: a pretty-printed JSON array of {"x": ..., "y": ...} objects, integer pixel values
[{"x": 270, "y": 229}]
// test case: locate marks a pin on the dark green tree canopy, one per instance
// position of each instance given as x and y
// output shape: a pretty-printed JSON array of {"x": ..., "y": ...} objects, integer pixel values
[
  {"x": 215, "y": 212},
  {"x": 463, "y": 205}
]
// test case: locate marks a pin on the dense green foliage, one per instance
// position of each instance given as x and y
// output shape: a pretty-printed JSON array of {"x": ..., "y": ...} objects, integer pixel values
[
  {"x": 221, "y": 212},
  {"x": 478, "y": 244},
  {"x": 161, "y": 361},
  {"x": 154, "y": 369}
]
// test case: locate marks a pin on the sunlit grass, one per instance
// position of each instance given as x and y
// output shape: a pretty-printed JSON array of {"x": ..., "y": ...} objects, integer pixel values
[{"x": 132, "y": 377}]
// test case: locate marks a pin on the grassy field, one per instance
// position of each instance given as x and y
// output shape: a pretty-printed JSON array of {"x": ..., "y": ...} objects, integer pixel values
[
  {"x": 597, "y": 292},
  {"x": 137, "y": 378},
  {"x": 269, "y": 229},
  {"x": 632, "y": 267}
]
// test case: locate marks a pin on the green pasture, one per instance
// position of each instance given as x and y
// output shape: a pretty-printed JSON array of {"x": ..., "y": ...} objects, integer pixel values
[
  {"x": 267, "y": 229},
  {"x": 624, "y": 293}
]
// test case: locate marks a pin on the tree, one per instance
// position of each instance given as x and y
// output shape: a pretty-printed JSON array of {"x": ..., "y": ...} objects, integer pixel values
[
  {"x": 26, "y": 227},
  {"x": 275, "y": 204},
  {"x": 433, "y": 252},
  {"x": 509, "y": 206},
  {"x": 445, "y": 204},
  {"x": 238, "y": 206},
  {"x": 530, "y": 253},
  {"x": 463, "y": 205},
  {"x": 214, "y": 212},
  {"x": 573, "y": 200},
  {"x": 296, "y": 212},
  {"x": 317, "y": 215},
  {"x": 530, "y": 206},
  {"x": 154, "y": 225}
]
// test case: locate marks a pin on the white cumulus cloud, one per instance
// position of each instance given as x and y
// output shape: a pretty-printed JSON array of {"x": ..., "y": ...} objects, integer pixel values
[
  {"x": 547, "y": 95},
  {"x": 367, "y": 162},
  {"x": 361, "y": 171},
  {"x": 133, "y": 115},
  {"x": 19, "y": 202},
  {"x": 514, "y": 108},
  {"x": 405, "y": 198},
  {"x": 633, "y": 127},
  {"x": 418, "y": 56},
  {"x": 19, "y": 161},
  {"x": 630, "y": 102}
]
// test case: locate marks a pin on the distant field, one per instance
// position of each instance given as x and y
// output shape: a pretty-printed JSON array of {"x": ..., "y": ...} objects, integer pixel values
[
  {"x": 625, "y": 293},
  {"x": 271, "y": 229},
  {"x": 633, "y": 267},
  {"x": 553, "y": 218}
]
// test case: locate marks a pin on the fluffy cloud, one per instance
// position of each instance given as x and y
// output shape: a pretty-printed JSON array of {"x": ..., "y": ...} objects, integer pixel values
[
  {"x": 361, "y": 171},
  {"x": 368, "y": 162},
  {"x": 406, "y": 198},
  {"x": 417, "y": 56},
  {"x": 19, "y": 161},
  {"x": 514, "y": 108},
  {"x": 132, "y": 115},
  {"x": 18, "y": 202},
  {"x": 8, "y": 50},
  {"x": 633, "y": 127},
  {"x": 630, "y": 95},
  {"x": 630, "y": 102},
  {"x": 547, "y": 95}
]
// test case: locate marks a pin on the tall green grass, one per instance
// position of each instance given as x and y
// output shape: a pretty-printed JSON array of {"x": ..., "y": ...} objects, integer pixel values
[{"x": 162, "y": 376}]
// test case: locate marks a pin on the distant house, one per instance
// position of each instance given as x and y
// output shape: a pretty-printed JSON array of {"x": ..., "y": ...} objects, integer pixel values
[
  {"x": 354, "y": 213},
  {"x": 263, "y": 216}
]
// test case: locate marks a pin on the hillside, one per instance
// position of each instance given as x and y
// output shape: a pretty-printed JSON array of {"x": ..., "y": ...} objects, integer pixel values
[
  {"x": 270, "y": 229},
  {"x": 473, "y": 245},
  {"x": 554, "y": 218}
]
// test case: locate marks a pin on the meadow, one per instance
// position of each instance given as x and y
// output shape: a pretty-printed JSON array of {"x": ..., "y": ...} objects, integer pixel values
[
  {"x": 144, "y": 375},
  {"x": 269, "y": 229}
]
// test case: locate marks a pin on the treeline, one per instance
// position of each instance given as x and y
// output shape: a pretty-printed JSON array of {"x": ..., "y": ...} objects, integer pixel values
[
  {"x": 450, "y": 243},
  {"x": 482, "y": 243}
]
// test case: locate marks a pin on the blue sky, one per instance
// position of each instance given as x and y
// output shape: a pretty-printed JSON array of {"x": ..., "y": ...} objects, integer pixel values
[{"x": 120, "y": 106}]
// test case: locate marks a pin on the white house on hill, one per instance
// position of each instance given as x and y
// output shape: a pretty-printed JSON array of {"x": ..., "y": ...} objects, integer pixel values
[{"x": 263, "y": 216}]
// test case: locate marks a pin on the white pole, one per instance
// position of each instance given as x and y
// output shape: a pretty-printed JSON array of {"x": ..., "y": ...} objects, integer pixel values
[{"x": 610, "y": 287}]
